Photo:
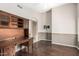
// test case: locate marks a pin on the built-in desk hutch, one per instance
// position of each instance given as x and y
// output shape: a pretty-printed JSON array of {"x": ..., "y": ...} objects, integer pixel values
[
  {"x": 8, "y": 20},
  {"x": 12, "y": 26}
]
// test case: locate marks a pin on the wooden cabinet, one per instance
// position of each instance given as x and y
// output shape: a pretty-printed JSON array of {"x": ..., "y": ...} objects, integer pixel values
[
  {"x": 26, "y": 33},
  {"x": 16, "y": 22},
  {"x": 12, "y": 23},
  {"x": 8, "y": 20}
]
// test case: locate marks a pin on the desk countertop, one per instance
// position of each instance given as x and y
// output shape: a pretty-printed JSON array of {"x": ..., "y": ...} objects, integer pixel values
[{"x": 11, "y": 42}]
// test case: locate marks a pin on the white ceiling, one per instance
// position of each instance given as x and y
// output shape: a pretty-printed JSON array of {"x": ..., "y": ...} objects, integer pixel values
[{"x": 41, "y": 7}]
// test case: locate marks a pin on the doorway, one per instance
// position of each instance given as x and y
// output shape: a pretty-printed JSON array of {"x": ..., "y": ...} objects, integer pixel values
[{"x": 33, "y": 30}]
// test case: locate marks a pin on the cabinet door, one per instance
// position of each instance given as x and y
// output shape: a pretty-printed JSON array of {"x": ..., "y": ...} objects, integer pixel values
[
  {"x": 13, "y": 22},
  {"x": 4, "y": 20}
]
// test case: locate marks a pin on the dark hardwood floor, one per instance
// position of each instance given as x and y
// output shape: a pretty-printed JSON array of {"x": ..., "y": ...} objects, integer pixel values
[{"x": 45, "y": 48}]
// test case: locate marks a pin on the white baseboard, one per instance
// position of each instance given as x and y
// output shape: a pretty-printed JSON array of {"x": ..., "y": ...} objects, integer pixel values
[
  {"x": 77, "y": 47},
  {"x": 65, "y": 45},
  {"x": 42, "y": 39},
  {"x": 35, "y": 41},
  {"x": 45, "y": 39},
  {"x": 59, "y": 44}
]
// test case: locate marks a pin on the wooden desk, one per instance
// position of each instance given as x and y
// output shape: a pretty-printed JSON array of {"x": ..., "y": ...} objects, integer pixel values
[
  {"x": 7, "y": 47},
  {"x": 27, "y": 45}
]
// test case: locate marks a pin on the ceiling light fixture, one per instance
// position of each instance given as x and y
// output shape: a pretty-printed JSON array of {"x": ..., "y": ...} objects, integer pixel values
[{"x": 19, "y": 6}]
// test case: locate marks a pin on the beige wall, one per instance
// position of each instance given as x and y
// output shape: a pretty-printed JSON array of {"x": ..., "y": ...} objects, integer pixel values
[
  {"x": 45, "y": 19},
  {"x": 49, "y": 20},
  {"x": 78, "y": 25},
  {"x": 42, "y": 22},
  {"x": 78, "y": 21},
  {"x": 64, "y": 22},
  {"x": 64, "y": 19}
]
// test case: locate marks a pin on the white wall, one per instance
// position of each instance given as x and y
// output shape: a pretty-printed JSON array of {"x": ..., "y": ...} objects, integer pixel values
[
  {"x": 46, "y": 19},
  {"x": 64, "y": 22},
  {"x": 42, "y": 22},
  {"x": 49, "y": 20},
  {"x": 64, "y": 19},
  {"x": 78, "y": 20}
]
